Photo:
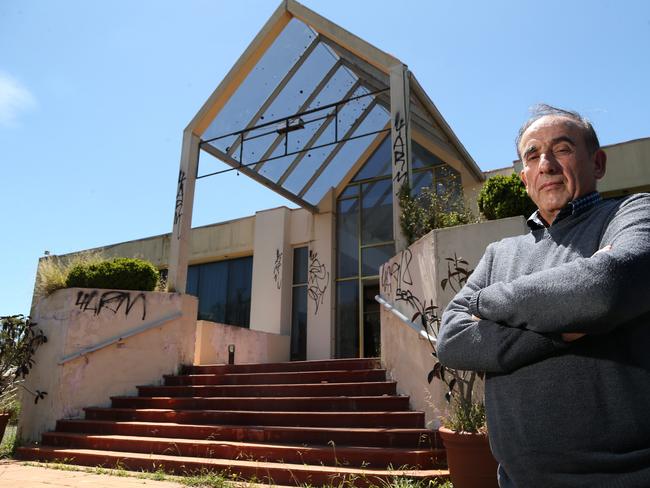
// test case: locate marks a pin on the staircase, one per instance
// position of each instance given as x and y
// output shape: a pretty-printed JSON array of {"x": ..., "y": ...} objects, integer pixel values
[{"x": 293, "y": 423}]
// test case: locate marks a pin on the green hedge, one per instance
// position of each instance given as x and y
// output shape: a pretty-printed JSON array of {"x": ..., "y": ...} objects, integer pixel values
[
  {"x": 117, "y": 274},
  {"x": 504, "y": 196}
]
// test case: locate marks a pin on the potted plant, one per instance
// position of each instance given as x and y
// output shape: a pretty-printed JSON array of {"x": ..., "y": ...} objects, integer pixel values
[
  {"x": 464, "y": 431},
  {"x": 19, "y": 340}
]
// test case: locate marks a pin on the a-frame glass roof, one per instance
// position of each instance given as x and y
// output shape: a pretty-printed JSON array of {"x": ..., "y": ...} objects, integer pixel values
[{"x": 302, "y": 117}]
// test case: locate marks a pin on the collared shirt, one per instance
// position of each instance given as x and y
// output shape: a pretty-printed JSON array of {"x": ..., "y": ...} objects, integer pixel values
[{"x": 579, "y": 205}]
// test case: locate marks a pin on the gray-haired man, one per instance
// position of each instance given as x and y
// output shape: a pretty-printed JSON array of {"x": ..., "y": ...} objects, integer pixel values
[{"x": 559, "y": 319}]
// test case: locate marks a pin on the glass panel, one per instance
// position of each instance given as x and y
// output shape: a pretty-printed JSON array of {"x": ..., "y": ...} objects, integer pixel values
[
  {"x": 347, "y": 319},
  {"x": 347, "y": 232},
  {"x": 256, "y": 142},
  {"x": 192, "y": 286},
  {"x": 350, "y": 111},
  {"x": 335, "y": 89},
  {"x": 240, "y": 277},
  {"x": 213, "y": 288},
  {"x": 445, "y": 171},
  {"x": 379, "y": 164},
  {"x": 301, "y": 85},
  {"x": 262, "y": 80},
  {"x": 348, "y": 155},
  {"x": 350, "y": 191},
  {"x": 275, "y": 168},
  {"x": 421, "y": 158},
  {"x": 311, "y": 162},
  {"x": 373, "y": 257},
  {"x": 377, "y": 211},
  {"x": 299, "y": 323},
  {"x": 421, "y": 179},
  {"x": 223, "y": 289},
  {"x": 300, "y": 265},
  {"x": 371, "y": 322}
]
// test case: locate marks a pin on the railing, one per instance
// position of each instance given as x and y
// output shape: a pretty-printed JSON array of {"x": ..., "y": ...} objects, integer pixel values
[
  {"x": 118, "y": 338},
  {"x": 422, "y": 334}
]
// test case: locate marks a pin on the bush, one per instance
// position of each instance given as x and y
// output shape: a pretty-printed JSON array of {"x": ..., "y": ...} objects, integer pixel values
[
  {"x": 430, "y": 210},
  {"x": 504, "y": 196},
  {"x": 118, "y": 273}
]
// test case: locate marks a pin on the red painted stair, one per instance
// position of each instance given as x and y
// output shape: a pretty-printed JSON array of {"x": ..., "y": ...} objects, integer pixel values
[{"x": 302, "y": 422}]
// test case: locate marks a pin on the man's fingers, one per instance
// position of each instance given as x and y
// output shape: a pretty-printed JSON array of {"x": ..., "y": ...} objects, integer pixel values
[{"x": 572, "y": 336}]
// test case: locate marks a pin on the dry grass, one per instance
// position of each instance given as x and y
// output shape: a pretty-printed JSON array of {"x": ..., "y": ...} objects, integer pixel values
[{"x": 53, "y": 270}]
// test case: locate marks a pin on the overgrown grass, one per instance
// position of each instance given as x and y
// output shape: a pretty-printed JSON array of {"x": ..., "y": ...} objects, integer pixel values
[
  {"x": 53, "y": 271},
  {"x": 8, "y": 443},
  {"x": 224, "y": 479}
]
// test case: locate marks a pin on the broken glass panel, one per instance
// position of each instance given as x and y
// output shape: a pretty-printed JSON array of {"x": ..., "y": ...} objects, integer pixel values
[{"x": 262, "y": 80}]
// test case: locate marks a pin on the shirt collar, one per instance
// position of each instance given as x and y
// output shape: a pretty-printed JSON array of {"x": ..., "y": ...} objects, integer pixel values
[{"x": 577, "y": 206}]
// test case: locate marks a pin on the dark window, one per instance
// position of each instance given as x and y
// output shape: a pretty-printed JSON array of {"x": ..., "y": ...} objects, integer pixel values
[
  {"x": 347, "y": 223},
  {"x": 347, "y": 319},
  {"x": 223, "y": 289},
  {"x": 299, "y": 305}
]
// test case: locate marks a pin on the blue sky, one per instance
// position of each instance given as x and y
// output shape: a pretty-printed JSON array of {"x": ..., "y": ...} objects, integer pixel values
[{"x": 94, "y": 97}]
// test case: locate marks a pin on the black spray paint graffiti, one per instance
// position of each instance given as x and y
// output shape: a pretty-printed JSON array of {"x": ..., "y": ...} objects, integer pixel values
[
  {"x": 319, "y": 279},
  {"x": 398, "y": 276},
  {"x": 110, "y": 300},
  {"x": 277, "y": 269},
  {"x": 180, "y": 195},
  {"x": 400, "y": 171}
]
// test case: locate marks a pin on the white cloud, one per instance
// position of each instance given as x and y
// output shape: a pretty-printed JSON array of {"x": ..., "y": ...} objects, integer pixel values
[{"x": 14, "y": 99}]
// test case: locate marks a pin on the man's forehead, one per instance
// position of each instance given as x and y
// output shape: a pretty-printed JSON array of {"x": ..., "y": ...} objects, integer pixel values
[{"x": 548, "y": 127}]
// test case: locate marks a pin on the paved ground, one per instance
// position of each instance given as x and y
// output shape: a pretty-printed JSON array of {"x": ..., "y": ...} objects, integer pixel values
[{"x": 21, "y": 475}]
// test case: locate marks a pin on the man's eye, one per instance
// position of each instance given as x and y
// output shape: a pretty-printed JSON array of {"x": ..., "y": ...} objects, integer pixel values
[{"x": 563, "y": 150}]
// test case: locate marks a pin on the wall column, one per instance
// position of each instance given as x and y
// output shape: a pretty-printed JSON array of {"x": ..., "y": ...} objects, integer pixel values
[
  {"x": 180, "y": 240},
  {"x": 272, "y": 278},
  {"x": 401, "y": 143}
]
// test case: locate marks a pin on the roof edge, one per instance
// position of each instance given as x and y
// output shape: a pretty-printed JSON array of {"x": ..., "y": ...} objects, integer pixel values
[{"x": 437, "y": 116}]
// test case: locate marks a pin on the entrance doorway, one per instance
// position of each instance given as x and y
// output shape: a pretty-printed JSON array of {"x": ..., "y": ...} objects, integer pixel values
[{"x": 370, "y": 331}]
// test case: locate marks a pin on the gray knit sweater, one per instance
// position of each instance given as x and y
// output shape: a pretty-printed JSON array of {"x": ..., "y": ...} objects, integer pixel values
[{"x": 563, "y": 414}]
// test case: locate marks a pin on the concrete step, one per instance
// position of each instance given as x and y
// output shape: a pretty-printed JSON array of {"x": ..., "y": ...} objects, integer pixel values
[
  {"x": 334, "y": 376},
  {"x": 332, "y": 455},
  {"x": 303, "y": 404},
  {"x": 261, "y": 418},
  {"x": 274, "y": 473},
  {"x": 350, "y": 436},
  {"x": 370, "y": 388},
  {"x": 315, "y": 365}
]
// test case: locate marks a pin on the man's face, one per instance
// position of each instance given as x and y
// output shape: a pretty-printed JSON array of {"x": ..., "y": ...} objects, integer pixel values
[{"x": 557, "y": 165}]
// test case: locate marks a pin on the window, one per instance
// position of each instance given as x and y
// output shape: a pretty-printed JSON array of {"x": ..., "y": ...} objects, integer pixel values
[
  {"x": 299, "y": 304},
  {"x": 223, "y": 289}
]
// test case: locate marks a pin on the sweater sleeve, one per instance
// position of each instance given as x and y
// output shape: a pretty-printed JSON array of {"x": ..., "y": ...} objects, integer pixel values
[
  {"x": 464, "y": 343},
  {"x": 591, "y": 295}
]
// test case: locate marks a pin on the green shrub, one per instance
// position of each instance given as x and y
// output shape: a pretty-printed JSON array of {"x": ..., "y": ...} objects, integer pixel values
[
  {"x": 117, "y": 273},
  {"x": 504, "y": 196},
  {"x": 432, "y": 210}
]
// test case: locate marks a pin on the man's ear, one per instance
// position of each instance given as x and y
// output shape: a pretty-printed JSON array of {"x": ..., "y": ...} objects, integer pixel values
[
  {"x": 522, "y": 175},
  {"x": 600, "y": 163}
]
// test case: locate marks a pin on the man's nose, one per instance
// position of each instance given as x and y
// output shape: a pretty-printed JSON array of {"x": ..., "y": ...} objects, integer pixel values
[{"x": 548, "y": 164}]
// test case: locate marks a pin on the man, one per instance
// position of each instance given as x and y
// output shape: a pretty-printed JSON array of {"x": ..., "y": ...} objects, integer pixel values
[{"x": 559, "y": 319}]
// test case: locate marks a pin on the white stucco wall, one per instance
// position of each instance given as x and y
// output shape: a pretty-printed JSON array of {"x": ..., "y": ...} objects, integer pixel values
[
  {"x": 272, "y": 260},
  {"x": 77, "y": 318},
  {"x": 411, "y": 281},
  {"x": 251, "y": 346}
]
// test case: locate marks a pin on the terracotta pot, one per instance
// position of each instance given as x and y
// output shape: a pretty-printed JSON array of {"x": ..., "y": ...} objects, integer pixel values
[
  {"x": 471, "y": 464},
  {"x": 4, "y": 419}
]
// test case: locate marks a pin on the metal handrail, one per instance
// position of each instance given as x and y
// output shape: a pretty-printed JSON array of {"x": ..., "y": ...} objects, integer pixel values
[
  {"x": 391, "y": 308},
  {"x": 116, "y": 339}
]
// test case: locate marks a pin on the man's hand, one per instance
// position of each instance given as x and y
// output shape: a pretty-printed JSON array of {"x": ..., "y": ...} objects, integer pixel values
[{"x": 572, "y": 336}]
